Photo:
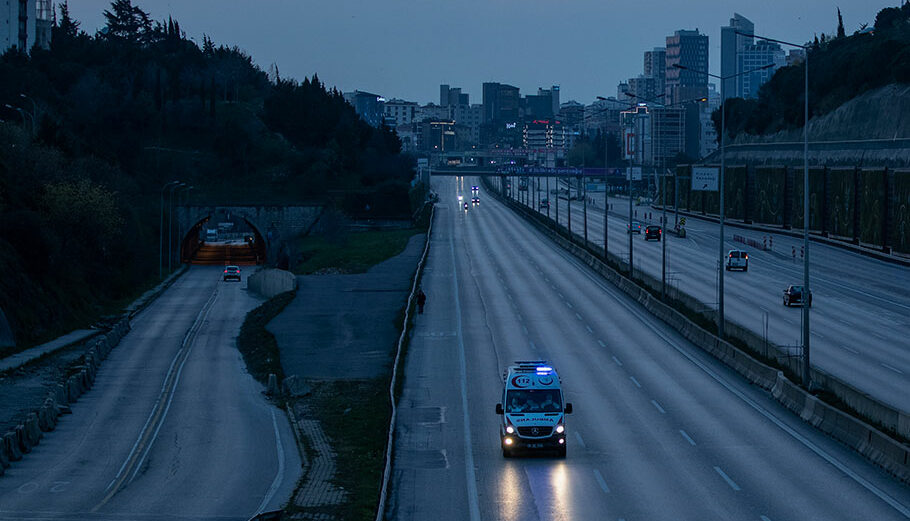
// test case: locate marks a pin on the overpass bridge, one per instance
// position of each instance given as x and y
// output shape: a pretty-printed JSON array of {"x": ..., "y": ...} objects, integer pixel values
[{"x": 270, "y": 227}]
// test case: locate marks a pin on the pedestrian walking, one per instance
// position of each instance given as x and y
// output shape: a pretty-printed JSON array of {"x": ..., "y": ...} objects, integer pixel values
[{"x": 421, "y": 301}]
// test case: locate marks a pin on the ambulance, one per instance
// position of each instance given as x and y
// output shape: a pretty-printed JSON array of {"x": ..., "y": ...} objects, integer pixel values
[{"x": 533, "y": 409}]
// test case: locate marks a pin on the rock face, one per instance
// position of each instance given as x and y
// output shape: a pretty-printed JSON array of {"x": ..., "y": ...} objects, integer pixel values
[
  {"x": 6, "y": 333},
  {"x": 867, "y": 131}
]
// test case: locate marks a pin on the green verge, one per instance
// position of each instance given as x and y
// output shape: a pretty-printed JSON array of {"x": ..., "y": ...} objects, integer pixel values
[
  {"x": 257, "y": 344},
  {"x": 354, "y": 253}
]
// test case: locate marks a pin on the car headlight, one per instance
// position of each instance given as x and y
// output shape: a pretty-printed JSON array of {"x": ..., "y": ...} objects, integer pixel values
[
  {"x": 508, "y": 441},
  {"x": 560, "y": 429},
  {"x": 510, "y": 429}
]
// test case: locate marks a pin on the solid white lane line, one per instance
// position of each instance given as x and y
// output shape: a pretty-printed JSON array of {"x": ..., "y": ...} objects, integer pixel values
[
  {"x": 895, "y": 369},
  {"x": 729, "y": 481},
  {"x": 659, "y": 408},
  {"x": 686, "y": 436},
  {"x": 580, "y": 441},
  {"x": 470, "y": 477},
  {"x": 589, "y": 329},
  {"x": 601, "y": 482},
  {"x": 601, "y": 342},
  {"x": 634, "y": 381},
  {"x": 280, "y": 474},
  {"x": 577, "y": 316},
  {"x": 618, "y": 362}
]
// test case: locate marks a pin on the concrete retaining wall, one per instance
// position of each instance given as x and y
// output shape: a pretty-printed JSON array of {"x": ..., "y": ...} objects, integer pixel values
[
  {"x": 20, "y": 439},
  {"x": 865, "y": 439},
  {"x": 271, "y": 282}
]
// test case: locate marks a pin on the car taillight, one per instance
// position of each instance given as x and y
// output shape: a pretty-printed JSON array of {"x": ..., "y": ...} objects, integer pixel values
[{"x": 747, "y": 255}]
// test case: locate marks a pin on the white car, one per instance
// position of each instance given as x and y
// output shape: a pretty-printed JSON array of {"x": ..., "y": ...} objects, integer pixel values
[{"x": 737, "y": 260}]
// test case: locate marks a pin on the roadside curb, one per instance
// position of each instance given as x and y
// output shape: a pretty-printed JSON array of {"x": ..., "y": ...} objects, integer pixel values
[
  {"x": 871, "y": 443},
  {"x": 20, "y": 439}
]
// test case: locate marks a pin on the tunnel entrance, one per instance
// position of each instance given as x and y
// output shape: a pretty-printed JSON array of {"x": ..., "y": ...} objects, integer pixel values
[{"x": 223, "y": 239}]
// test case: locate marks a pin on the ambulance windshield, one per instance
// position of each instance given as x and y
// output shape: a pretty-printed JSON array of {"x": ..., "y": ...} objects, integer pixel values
[{"x": 533, "y": 400}]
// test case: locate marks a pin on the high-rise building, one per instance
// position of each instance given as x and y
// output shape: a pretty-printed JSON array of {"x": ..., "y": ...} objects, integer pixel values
[
  {"x": 755, "y": 56},
  {"x": 731, "y": 45},
  {"x": 443, "y": 95},
  {"x": 621, "y": 90},
  {"x": 655, "y": 66},
  {"x": 688, "y": 49},
  {"x": 368, "y": 106},
  {"x": 500, "y": 103},
  {"x": 644, "y": 88},
  {"x": 25, "y": 24}
]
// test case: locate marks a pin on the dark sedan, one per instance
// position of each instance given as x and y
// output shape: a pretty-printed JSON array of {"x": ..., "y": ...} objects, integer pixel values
[
  {"x": 653, "y": 232},
  {"x": 232, "y": 273},
  {"x": 794, "y": 295}
]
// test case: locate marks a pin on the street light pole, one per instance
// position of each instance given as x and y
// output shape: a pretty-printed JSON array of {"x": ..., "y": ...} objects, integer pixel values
[
  {"x": 663, "y": 238},
  {"x": 167, "y": 186},
  {"x": 720, "y": 189},
  {"x": 170, "y": 219},
  {"x": 806, "y": 369},
  {"x": 630, "y": 152}
]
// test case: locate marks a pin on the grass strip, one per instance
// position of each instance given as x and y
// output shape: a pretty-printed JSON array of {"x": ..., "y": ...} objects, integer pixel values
[
  {"x": 257, "y": 344},
  {"x": 355, "y": 253}
]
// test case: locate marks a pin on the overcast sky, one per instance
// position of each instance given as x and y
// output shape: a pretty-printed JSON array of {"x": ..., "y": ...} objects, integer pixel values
[{"x": 405, "y": 49}]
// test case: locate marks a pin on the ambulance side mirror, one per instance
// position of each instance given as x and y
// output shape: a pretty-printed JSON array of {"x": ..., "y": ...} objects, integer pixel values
[
  {"x": 499, "y": 408},
  {"x": 568, "y": 409}
]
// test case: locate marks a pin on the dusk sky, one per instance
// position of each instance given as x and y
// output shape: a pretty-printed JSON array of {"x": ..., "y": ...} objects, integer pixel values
[{"x": 405, "y": 49}]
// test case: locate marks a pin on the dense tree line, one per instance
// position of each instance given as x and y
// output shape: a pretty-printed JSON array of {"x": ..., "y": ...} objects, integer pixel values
[
  {"x": 840, "y": 68},
  {"x": 100, "y": 122}
]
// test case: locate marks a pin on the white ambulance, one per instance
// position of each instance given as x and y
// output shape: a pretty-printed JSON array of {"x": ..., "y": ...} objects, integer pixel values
[{"x": 533, "y": 409}]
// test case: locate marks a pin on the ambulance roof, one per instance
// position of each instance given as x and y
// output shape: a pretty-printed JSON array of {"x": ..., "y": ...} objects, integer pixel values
[{"x": 531, "y": 374}]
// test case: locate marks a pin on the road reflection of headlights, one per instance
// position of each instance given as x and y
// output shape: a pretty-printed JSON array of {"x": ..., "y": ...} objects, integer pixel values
[{"x": 560, "y": 429}]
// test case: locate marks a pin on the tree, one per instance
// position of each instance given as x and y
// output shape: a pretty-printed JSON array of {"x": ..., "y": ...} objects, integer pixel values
[
  {"x": 126, "y": 22},
  {"x": 840, "y": 24},
  {"x": 66, "y": 27}
]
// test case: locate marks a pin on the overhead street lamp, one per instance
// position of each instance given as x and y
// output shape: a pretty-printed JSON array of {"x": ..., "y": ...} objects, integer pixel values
[
  {"x": 723, "y": 134},
  {"x": 807, "y": 376},
  {"x": 168, "y": 187}
]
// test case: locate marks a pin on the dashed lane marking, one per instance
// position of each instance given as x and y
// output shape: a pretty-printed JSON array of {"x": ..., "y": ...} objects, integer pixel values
[
  {"x": 634, "y": 381},
  {"x": 729, "y": 481},
  {"x": 686, "y": 436},
  {"x": 619, "y": 364},
  {"x": 659, "y": 408},
  {"x": 601, "y": 482},
  {"x": 895, "y": 369},
  {"x": 601, "y": 342},
  {"x": 580, "y": 441},
  {"x": 589, "y": 329}
]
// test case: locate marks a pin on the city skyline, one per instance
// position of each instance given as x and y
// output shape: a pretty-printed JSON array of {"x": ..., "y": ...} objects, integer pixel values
[{"x": 507, "y": 41}]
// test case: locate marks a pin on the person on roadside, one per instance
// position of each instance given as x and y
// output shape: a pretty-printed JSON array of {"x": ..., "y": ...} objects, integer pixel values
[{"x": 421, "y": 301}]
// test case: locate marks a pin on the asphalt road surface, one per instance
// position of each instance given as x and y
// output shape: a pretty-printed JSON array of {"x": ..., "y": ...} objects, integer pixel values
[
  {"x": 660, "y": 430},
  {"x": 860, "y": 310},
  {"x": 174, "y": 427}
]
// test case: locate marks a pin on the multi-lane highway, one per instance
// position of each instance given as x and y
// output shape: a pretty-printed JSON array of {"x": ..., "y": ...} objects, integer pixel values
[
  {"x": 860, "y": 310},
  {"x": 660, "y": 430},
  {"x": 173, "y": 428}
]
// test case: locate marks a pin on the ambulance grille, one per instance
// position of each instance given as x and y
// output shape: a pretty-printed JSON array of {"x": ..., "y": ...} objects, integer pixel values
[{"x": 535, "y": 432}]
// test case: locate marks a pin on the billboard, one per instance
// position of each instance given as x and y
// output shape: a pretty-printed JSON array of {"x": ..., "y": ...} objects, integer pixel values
[
  {"x": 628, "y": 143},
  {"x": 705, "y": 178},
  {"x": 636, "y": 173}
]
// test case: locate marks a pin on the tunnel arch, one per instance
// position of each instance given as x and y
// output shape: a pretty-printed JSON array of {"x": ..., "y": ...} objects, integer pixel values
[{"x": 192, "y": 246}]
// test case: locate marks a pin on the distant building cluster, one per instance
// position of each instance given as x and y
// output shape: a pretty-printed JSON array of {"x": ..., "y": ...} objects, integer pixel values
[
  {"x": 25, "y": 24},
  {"x": 660, "y": 114}
]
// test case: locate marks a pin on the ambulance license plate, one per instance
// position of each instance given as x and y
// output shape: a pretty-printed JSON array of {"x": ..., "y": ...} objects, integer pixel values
[{"x": 535, "y": 445}]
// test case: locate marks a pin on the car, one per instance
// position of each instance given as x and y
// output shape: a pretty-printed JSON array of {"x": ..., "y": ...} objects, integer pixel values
[
  {"x": 794, "y": 295},
  {"x": 635, "y": 227},
  {"x": 653, "y": 232},
  {"x": 474, "y": 189},
  {"x": 737, "y": 260},
  {"x": 232, "y": 273},
  {"x": 544, "y": 203},
  {"x": 475, "y": 201}
]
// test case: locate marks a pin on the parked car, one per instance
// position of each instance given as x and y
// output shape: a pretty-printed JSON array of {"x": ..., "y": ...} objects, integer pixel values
[
  {"x": 653, "y": 232},
  {"x": 635, "y": 227},
  {"x": 232, "y": 273},
  {"x": 737, "y": 260},
  {"x": 794, "y": 295}
]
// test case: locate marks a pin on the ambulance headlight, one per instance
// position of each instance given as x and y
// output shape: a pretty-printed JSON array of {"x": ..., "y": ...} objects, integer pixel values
[
  {"x": 508, "y": 441},
  {"x": 560, "y": 429},
  {"x": 510, "y": 429}
]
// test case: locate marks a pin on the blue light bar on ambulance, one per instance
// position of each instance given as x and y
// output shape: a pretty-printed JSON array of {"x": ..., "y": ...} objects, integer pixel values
[{"x": 544, "y": 369}]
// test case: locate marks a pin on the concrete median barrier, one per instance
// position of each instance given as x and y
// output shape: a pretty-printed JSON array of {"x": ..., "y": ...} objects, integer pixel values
[
  {"x": 32, "y": 429},
  {"x": 22, "y": 439},
  {"x": 271, "y": 282},
  {"x": 11, "y": 446}
]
